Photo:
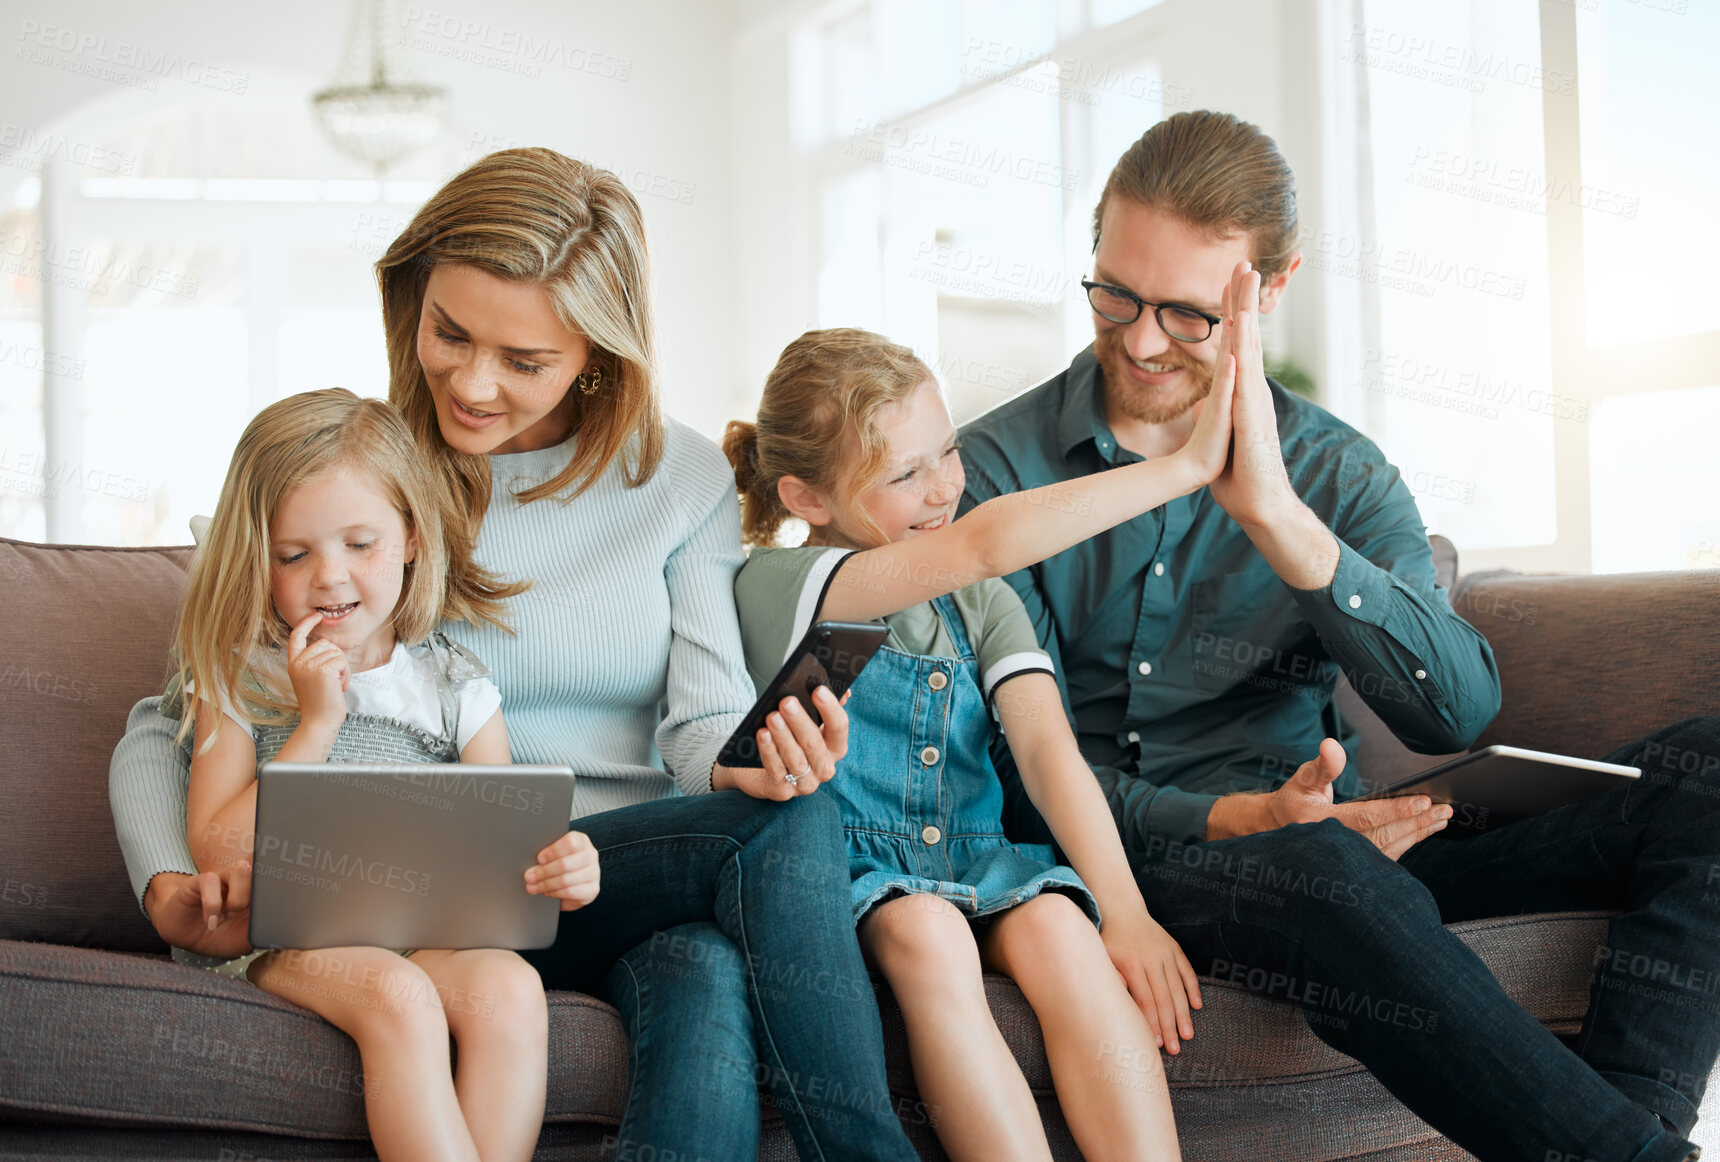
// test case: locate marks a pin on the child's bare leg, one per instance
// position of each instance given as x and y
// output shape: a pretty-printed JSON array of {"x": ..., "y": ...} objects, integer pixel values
[
  {"x": 389, "y": 1006},
  {"x": 496, "y": 1010},
  {"x": 1094, "y": 1033},
  {"x": 974, "y": 1092}
]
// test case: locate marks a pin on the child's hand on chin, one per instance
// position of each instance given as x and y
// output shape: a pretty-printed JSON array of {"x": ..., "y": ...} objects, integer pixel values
[{"x": 320, "y": 674}]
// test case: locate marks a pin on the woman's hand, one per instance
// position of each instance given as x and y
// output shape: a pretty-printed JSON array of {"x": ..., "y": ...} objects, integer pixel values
[
  {"x": 320, "y": 675},
  {"x": 798, "y": 755},
  {"x": 1159, "y": 976},
  {"x": 566, "y": 869},
  {"x": 208, "y": 913}
]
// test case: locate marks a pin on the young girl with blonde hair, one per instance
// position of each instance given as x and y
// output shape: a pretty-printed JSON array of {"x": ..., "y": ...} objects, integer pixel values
[
  {"x": 308, "y": 634},
  {"x": 853, "y": 437}
]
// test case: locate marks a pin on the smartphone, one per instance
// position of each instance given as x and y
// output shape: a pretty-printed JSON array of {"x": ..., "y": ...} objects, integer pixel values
[{"x": 831, "y": 654}]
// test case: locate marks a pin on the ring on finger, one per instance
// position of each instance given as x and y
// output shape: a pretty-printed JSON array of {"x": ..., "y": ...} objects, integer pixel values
[{"x": 793, "y": 777}]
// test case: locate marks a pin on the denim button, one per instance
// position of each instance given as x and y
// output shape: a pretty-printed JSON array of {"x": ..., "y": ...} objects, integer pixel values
[
  {"x": 1355, "y": 601},
  {"x": 1158, "y": 568},
  {"x": 930, "y": 834},
  {"x": 929, "y": 755},
  {"x": 938, "y": 680},
  {"x": 1144, "y": 668},
  {"x": 1134, "y": 736}
]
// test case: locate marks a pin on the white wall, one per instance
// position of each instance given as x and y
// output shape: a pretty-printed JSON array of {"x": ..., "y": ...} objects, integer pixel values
[{"x": 665, "y": 124}]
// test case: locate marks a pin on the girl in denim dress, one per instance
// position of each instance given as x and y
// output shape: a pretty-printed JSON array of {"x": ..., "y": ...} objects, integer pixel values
[{"x": 854, "y": 439}]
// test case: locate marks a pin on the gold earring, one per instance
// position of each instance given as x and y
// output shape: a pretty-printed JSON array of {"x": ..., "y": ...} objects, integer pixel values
[{"x": 590, "y": 382}]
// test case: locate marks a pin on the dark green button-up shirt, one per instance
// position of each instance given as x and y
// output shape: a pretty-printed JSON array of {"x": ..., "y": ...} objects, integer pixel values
[{"x": 1188, "y": 668}]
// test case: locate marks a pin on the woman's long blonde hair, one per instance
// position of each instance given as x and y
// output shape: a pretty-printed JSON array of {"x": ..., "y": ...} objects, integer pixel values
[
  {"x": 229, "y": 613},
  {"x": 535, "y": 216},
  {"x": 818, "y": 420}
]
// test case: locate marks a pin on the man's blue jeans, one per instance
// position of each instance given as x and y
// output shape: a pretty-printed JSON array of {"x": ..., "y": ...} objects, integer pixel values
[
  {"x": 1317, "y": 915},
  {"x": 772, "y": 878}
]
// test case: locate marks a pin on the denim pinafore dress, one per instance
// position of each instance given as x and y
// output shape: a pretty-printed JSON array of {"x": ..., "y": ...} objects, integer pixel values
[{"x": 921, "y": 804}]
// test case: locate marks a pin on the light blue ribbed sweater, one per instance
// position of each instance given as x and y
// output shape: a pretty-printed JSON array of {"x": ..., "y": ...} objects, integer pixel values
[{"x": 627, "y": 657}]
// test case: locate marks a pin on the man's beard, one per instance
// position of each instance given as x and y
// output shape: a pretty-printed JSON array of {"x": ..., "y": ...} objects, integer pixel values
[{"x": 1146, "y": 404}]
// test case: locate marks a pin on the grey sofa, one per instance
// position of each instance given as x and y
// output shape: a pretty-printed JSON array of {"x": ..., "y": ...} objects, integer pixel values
[{"x": 108, "y": 1049}]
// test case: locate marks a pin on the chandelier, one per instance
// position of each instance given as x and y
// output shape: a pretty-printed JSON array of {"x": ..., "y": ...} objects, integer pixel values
[{"x": 382, "y": 122}]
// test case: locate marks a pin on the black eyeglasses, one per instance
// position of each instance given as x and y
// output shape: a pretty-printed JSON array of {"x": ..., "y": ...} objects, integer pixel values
[{"x": 1117, "y": 304}]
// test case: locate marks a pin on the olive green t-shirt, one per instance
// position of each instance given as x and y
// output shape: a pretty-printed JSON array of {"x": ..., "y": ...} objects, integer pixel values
[{"x": 779, "y": 591}]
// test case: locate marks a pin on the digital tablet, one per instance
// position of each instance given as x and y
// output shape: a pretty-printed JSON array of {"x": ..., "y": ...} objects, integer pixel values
[
  {"x": 831, "y": 654},
  {"x": 1503, "y": 784},
  {"x": 428, "y": 855}
]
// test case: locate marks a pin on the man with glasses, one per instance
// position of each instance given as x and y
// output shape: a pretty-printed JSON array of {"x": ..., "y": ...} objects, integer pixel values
[{"x": 1198, "y": 647}]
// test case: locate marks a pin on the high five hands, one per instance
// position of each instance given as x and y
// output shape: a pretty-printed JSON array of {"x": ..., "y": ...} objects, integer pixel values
[{"x": 1254, "y": 488}]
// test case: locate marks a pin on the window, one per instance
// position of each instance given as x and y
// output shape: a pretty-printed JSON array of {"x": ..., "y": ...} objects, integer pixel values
[
  {"x": 1527, "y": 253},
  {"x": 959, "y": 154},
  {"x": 164, "y": 280}
]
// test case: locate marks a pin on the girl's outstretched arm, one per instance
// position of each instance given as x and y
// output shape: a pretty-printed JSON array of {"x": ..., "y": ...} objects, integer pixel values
[
  {"x": 1011, "y": 532},
  {"x": 1062, "y": 787}
]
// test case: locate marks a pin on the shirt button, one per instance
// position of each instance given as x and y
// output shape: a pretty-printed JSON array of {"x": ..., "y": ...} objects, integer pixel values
[
  {"x": 1134, "y": 736},
  {"x": 1144, "y": 668},
  {"x": 1420, "y": 674},
  {"x": 938, "y": 680},
  {"x": 929, "y": 755},
  {"x": 930, "y": 834},
  {"x": 1158, "y": 568},
  {"x": 1355, "y": 601}
]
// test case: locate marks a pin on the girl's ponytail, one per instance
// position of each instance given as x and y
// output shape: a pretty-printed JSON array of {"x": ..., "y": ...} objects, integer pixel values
[{"x": 762, "y": 510}]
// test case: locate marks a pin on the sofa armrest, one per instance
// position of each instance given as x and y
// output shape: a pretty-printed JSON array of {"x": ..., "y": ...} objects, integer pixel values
[{"x": 1589, "y": 663}]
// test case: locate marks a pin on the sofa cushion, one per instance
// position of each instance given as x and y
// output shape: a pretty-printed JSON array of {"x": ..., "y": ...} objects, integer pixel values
[
  {"x": 1245, "y": 1038},
  {"x": 111, "y": 1038},
  {"x": 118, "y": 1038},
  {"x": 87, "y": 633}
]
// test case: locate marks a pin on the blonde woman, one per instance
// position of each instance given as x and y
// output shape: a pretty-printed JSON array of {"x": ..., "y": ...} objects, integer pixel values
[
  {"x": 308, "y": 634},
  {"x": 522, "y": 353}
]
